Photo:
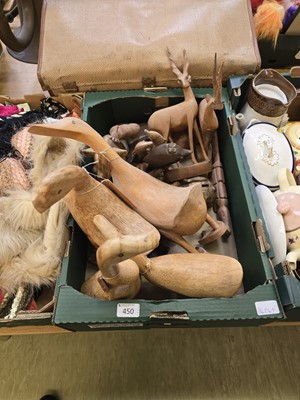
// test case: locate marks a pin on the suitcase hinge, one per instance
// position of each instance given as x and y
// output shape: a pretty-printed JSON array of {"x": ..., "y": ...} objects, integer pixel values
[
  {"x": 70, "y": 87},
  {"x": 261, "y": 239},
  {"x": 295, "y": 71},
  {"x": 178, "y": 315},
  {"x": 234, "y": 128}
]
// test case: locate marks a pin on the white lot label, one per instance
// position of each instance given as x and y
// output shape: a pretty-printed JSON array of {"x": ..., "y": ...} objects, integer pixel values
[
  {"x": 128, "y": 310},
  {"x": 269, "y": 307}
]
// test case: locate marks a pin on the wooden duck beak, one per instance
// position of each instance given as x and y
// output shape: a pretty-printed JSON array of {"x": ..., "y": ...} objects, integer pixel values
[{"x": 124, "y": 286}]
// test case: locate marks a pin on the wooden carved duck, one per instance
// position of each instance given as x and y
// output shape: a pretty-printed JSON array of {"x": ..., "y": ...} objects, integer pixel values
[
  {"x": 175, "y": 211},
  {"x": 180, "y": 210},
  {"x": 122, "y": 238},
  {"x": 86, "y": 199},
  {"x": 192, "y": 275}
]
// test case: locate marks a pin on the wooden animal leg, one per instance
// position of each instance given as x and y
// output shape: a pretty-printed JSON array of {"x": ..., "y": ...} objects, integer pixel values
[
  {"x": 174, "y": 237},
  {"x": 198, "y": 135},
  {"x": 191, "y": 142},
  {"x": 218, "y": 230}
]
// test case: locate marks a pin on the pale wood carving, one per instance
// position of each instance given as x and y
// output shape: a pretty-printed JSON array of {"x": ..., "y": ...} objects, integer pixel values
[
  {"x": 125, "y": 284},
  {"x": 181, "y": 210},
  {"x": 124, "y": 132},
  {"x": 86, "y": 198},
  {"x": 89, "y": 202},
  {"x": 119, "y": 275},
  {"x": 193, "y": 275},
  {"x": 208, "y": 119},
  {"x": 155, "y": 137},
  {"x": 179, "y": 116}
]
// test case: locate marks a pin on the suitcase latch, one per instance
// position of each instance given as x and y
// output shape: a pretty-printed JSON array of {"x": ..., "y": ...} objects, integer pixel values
[
  {"x": 70, "y": 87},
  {"x": 149, "y": 85},
  {"x": 149, "y": 82}
]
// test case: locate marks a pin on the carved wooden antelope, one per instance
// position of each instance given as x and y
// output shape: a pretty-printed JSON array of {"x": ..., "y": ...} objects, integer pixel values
[
  {"x": 207, "y": 116},
  {"x": 179, "y": 116}
]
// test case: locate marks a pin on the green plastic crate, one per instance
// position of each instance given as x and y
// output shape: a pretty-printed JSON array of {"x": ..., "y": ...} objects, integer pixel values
[{"x": 260, "y": 304}]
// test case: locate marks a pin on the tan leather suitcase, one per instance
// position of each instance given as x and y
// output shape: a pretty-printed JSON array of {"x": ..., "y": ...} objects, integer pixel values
[{"x": 120, "y": 44}]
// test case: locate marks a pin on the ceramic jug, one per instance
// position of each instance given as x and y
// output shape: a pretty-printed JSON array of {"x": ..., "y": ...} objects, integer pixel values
[{"x": 268, "y": 98}]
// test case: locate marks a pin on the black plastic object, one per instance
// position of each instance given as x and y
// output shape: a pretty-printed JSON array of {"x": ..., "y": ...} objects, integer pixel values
[
  {"x": 23, "y": 42},
  {"x": 283, "y": 55}
]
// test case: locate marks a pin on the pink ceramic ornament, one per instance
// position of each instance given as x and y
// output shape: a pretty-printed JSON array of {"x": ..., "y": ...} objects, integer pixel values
[{"x": 288, "y": 200}]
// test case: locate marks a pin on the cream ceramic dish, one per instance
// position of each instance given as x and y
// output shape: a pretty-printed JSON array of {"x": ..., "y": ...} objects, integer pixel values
[
  {"x": 267, "y": 151},
  {"x": 274, "y": 222},
  {"x": 272, "y": 91}
]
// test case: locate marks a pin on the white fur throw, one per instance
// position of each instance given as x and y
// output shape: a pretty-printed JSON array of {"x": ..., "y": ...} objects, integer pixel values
[{"x": 32, "y": 244}]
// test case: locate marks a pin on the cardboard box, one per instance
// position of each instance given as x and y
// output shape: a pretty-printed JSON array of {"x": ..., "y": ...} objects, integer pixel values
[
  {"x": 288, "y": 283},
  {"x": 40, "y": 319},
  {"x": 258, "y": 305},
  {"x": 108, "y": 59}
]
